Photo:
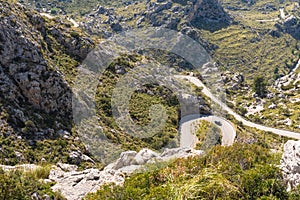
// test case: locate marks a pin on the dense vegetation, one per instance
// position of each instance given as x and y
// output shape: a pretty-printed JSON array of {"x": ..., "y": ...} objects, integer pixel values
[
  {"x": 260, "y": 86},
  {"x": 254, "y": 47},
  {"x": 139, "y": 106},
  {"x": 208, "y": 135},
  {"x": 17, "y": 184},
  {"x": 237, "y": 172}
]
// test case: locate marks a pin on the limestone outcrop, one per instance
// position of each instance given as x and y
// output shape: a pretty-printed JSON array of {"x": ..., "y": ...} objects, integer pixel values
[
  {"x": 30, "y": 81},
  {"x": 74, "y": 184},
  {"x": 290, "y": 164}
]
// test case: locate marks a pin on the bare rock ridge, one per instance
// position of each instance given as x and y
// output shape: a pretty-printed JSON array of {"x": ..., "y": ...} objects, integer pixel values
[{"x": 290, "y": 21}]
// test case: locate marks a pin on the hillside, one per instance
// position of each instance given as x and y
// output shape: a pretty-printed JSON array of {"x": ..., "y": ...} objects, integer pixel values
[
  {"x": 243, "y": 36},
  {"x": 35, "y": 95},
  {"x": 67, "y": 126}
]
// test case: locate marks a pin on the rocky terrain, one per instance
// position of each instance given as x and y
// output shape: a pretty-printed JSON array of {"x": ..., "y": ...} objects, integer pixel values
[
  {"x": 40, "y": 58},
  {"x": 290, "y": 23},
  {"x": 176, "y": 15},
  {"x": 74, "y": 184},
  {"x": 29, "y": 77},
  {"x": 290, "y": 164},
  {"x": 77, "y": 184},
  {"x": 26, "y": 77},
  {"x": 35, "y": 101}
]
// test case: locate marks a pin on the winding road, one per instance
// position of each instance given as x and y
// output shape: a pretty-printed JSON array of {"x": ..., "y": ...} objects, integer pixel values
[
  {"x": 228, "y": 131},
  {"x": 187, "y": 129}
]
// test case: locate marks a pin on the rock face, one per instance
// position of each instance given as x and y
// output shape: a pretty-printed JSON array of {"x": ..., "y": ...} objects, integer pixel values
[
  {"x": 77, "y": 157},
  {"x": 290, "y": 163},
  {"x": 74, "y": 185},
  {"x": 129, "y": 159},
  {"x": 29, "y": 82},
  {"x": 198, "y": 13},
  {"x": 24, "y": 72}
]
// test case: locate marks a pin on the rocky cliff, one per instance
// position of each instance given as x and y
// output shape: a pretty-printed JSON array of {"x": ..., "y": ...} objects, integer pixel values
[
  {"x": 29, "y": 76},
  {"x": 290, "y": 163},
  {"x": 290, "y": 25},
  {"x": 35, "y": 98}
]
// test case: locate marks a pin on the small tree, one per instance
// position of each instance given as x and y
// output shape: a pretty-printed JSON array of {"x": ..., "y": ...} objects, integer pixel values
[{"x": 260, "y": 86}]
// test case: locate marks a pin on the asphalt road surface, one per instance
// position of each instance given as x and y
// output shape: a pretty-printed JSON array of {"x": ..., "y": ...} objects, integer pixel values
[
  {"x": 238, "y": 117},
  {"x": 187, "y": 129}
]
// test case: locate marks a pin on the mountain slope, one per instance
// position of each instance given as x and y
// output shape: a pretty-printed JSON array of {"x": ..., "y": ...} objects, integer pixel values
[
  {"x": 38, "y": 66},
  {"x": 35, "y": 96}
]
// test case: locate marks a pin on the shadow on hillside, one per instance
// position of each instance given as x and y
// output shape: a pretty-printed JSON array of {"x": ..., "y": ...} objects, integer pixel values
[
  {"x": 211, "y": 26},
  {"x": 295, "y": 33}
]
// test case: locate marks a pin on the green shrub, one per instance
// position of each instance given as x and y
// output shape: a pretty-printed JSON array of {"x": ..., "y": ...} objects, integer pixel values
[
  {"x": 236, "y": 172},
  {"x": 260, "y": 86},
  {"x": 21, "y": 185},
  {"x": 208, "y": 135}
]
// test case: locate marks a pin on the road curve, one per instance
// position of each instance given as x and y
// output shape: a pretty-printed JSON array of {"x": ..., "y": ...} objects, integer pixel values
[
  {"x": 238, "y": 117},
  {"x": 187, "y": 129}
]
